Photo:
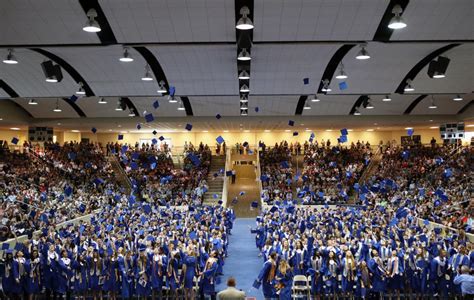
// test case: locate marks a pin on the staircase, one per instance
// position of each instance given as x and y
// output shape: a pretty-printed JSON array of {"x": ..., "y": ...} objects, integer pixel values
[
  {"x": 372, "y": 167},
  {"x": 120, "y": 174},
  {"x": 297, "y": 162},
  {"x": 215, "y": 183}
]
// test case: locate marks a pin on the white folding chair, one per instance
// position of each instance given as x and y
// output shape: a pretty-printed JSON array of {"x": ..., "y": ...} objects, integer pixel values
[{"x": 300, "y": 287}]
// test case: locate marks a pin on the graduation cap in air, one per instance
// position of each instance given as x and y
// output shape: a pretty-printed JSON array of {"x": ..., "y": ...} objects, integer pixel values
[
  {"x": 254, "y": 204},
  {"x": 68, "y": 190},
  {"x": 156, "y": 104},
  {"x": 220, "y": 139},
  {"x": 161, "y": 138},
  {"x": 5, "y": 246},
  {"x": 154, "y": 132},
  {"x": 188, "y": 127},
  {"x": 139, "y": 126},
  {"x": 273, "y": 209},
  {"x": 437, "y": 230},
  {"x": 295, "y": 133},
  {"x": 306, "y": 80},
  {"x": 342, "y": 85},
  {"x": 220, "y": 202},
  {"x": 147, "y": 208},
  {"x": 94, "y": 130},
  {"x": 15, "y": 140},
  {"x": 19, "y": 246},
  {"x": 291, "y": 123},
  {"x": 344, "y": 131},
  {"x": 256, "y": 284},
  {"x": 154, "y": 141},
  {"x": 218, "y": 116},
  {"x": 343, "y": 138},
  {"x": 134, "y": 165},
  {"x": 410, "y": 131},
  {"x": 120, "y": 137},
  {"x": 241, "y": 193},
  {"x": 257, "y": 109},
  {"x": 149, "y": 118}
]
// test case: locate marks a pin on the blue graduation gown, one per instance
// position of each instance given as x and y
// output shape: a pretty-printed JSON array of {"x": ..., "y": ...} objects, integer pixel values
[
  {"x": 190, "y": 262},
  {"x": 127, "y": 274},
  {"x": 158, "y": 272},
  {"x": 142, "y": 276},
  {"x": 8, "y": 279},
  {"x": 209, "y": 278},
  {"x": 80, "y": 277},
  {"x": 287, "y": 281},
  {"x": 111, "y": 283},
  {"x": 16, "y": 287},
  {"x": 63, "y": 275},
  {"x": 378, "y": 280},
  {"x": 438, "y": 282},
  {"x": 33, "y": 276},
  {"x": 268, "y": 284}
]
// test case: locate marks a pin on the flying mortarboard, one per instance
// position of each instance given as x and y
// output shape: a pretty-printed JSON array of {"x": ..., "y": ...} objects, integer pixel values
[
  {"x": 94, "y": 130},
  {"x": 291, "y": 123},
  {"x": 156, "y": 104},
  {"x": 218, "y": 116},
  {"x": 188, "y": 127},
  {"x": 254, "y": 204},
  {"x": 306, "y": 80},
  {"x": 344, "y": 131},
  {"x": 245, "y": 144},
  {"x": 154, "y": 141},
  {"x": 5, "y": 246},
  {"x": 257, "y": 109},
  {"x": 15, "y": 140},
  {"x": 228, "y": 173},
  {"x": 295, "y": 133},
  {"x": 139, "y": 126},
  {"x": 220, "y": 139},
  {"x": 154, "y": 132},
  {"x": 410, "y": 131},
  {"x": 161, "y": 138},
  {"x": 120, "y": 137},
  {"x": 342, "y": 85},
  {"x": 149, "y": 118},
  {"x": 172, "y": 91}
]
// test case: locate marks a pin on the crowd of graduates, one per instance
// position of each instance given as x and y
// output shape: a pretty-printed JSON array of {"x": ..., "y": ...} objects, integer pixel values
[{"x": 154, "y": 175}]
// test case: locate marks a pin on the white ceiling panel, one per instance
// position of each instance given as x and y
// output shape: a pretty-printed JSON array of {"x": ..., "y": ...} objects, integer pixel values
[
  {"x": 331, "y": 105},
  {"x": 3, "y": 94},
  {"x": 164, "y": 21},
  {"x": 383, "y": 72},
  {"x": 166, "y": 109},
  {"x": 273, "y": 105},
  {"x": 199, "y": 70},
  {"x": 91, "y": 107},
  {"x": 280, "y": 20},
  {"x": 28, "y": 22},
  {"x": 437, "y": 20},
  {"x": 459, "y": 75},
  {"x": 397, "y": 106},
  {"x": 280, "y": 69},
  {"x": 105, "y": 74},
  {"x": 28, "y": 80},
  {"x": 211, "y": 106},
  {"x": 446, "y": 105},
  {"x": 45, "y": 107}
]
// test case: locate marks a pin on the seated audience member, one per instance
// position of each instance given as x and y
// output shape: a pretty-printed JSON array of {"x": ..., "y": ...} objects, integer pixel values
[{"x": 231, "y": 292}]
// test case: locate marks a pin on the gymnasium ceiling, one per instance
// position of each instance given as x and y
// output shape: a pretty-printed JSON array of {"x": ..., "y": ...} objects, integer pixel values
[{"x": 192, "y": 45}]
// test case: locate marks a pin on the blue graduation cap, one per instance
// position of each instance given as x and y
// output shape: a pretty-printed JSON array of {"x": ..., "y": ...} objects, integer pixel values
[
  {"x": 257, "y": 109},
  {"x": 256, "y": 284},
  {"x": 447, "y": 173},
  {"x": 405, "y": 154},
  {"x": 410, "y": 131},
  {"x": 228, "y": 173},
  {"x": 342, "y": 85},
  {"x": 306, "y": 80},
  {"x": 5, "y": 246},
  {"x": 134, "y": 165},
  {"x": 147, "y": 208},
  {"x": 291, "y": 123},
  {"x": 15, "y": 140},
  {"x": 218, "y": 116},
  {"x": 156, "y": 104},
  {"x": 68, "y": 190},
  {"x": 193, "y": 235},
  {"x": 295, "y": 133},
  {"x": 149, "y": 118},
  {"x": 172, "y": 91},
  {"x": 124, "y": 148},
  {"x": 120, "y": 137},
  {"x": 273, "y": 209},
  {"x": 216, "y": 196},
  {"x": 94, "y": 130},
  {"x": 135, "y": 155},
  {"x": 98, "y": 181},
  {"x": 343, "y": 138},
  {"x": 426, "y": 222},
  {"x": 245, "y": 144},
  {"x": 19, "y": 246},
  {"x": 220, "y": 202},
  {"x": 437, "y": 230},
  {"x": 131, "y": 199},
  {"x": 154, "y": 141},
  {"x": 139, "y": 126},
  {"x": 161, "y": 138},
  {"x": 71, "y": 155},
  {"x": 188, "y": 127},
  {"x": 110, "y": 227},
  {"x": 220, "y": 139},
  {"x": 254, "y": 204},
  {"x": 241, "y": 193},
  {"x": 154, "y": 132},
  {"x": 73, "y": 98},
  {"x": 344, "y": 131}
]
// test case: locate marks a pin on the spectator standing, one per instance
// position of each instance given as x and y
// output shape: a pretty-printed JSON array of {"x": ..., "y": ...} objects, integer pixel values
[{"x": 231, "y": 293}]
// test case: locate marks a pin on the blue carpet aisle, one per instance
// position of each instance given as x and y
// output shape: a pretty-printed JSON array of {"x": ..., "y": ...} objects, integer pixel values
[{"x": 243, "y": 262}]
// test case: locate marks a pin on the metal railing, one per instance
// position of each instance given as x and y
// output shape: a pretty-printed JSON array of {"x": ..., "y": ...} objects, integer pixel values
[{"x": 227, "y": 167}]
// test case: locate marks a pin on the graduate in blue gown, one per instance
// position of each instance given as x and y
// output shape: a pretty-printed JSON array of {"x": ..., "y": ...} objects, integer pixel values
[
  {"x": 111, "y": 273},
  {"x": 19, "y": 275},
  {"x": 126, "y": 263},
  {"x": 364, "y": 285},
  {"x": 33, "y": 274},
  {"x": 267, "y": 277},
  {"x": 316, "y": 274},
  {"x": 48, "y": 262},
  {"x": 395, "y": 274},
  {"x": 174, "y": 265},
  {"x": 331, "y": 272},
  {"x": 7, "y": 278},
  {"x": 63, "y": 274},
  {"x": 456, "y": 261},
  {"x": 300, "y": 259},
  {"x": 438, "y": 272},
  {"x": 284, "y": 279},
  {"x": 95, "y": 272},
  {"x": 209, "y": 276},
  {"x": 142, "y": 275},
  {"x": 158, "y": 271},
  {"x": 80, "y": 276},
  {"x": 379, "y": 273},
  {"x": 188, "y": 272},
  {"x": 349, "y": 273}
]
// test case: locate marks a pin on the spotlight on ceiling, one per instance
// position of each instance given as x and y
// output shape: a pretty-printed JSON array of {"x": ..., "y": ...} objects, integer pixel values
[
  {"x": 57, "y": 108},
  {"x": 244, "y": 112},
  {"x": 244, "y": 75},
  {"x": 131, "y": 113},
  {"x": 51, "y": 71},
  {"x": 91, "y": 24},
  {"x": 397, "y": 21},
  {"x": 363, "y": 53},
  {"x": 161, "y": 87},
  {"x": 147, "y": 76},
  {"x": 432, "y": 104},
  {"x": 342, "y": 74},
  {"x": 386, "y": 98},
  {"x": 357, "y": 112},
  {"x": 81, "y": 91},
  {"x": 408, "y": 86},
  {"x": 120, "y": 105},
  {"x": 172, "y": 99},
  {"x": 181, "y": 107},
  {"x": 244, "y": 88},
  {"x": 306, "y": 105},
  {"x": 369, "y": 105},
  {"x": 457, "y": 98},
  {"x": 437, "y": 68},
  {"x": 315, "y": 98},
  {"x": 102, "y": 101},
  {"x": 244, "y": 98},
  {"x": 244, "y": 105},
  {"x": 326, "y": 87},
  {"x": 244, "y": 55},
  {"x": 244, "y": 23},
  {"x": 126, "y": 57},
  {"x": 10, "y": 59},
  {"x": 32, "y": 102}
]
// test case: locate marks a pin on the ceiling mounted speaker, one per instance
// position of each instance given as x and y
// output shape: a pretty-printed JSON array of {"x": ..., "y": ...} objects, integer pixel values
[
  {"x": 437, "y": 68},
  {"x": 51, "y": 71}
]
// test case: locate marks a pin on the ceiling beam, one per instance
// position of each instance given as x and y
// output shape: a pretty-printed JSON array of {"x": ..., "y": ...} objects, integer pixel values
[
  {"x": 13, "y": 94},
  {"x": 155, "y": 66},
  {"x": 358, "y": 103},
  {"x": 74, "y": 106},
  {"x": 465, "y": 107},
  {"x": 383, "y": 33},
  {"x": 105, "y": 35},
  {"x": 187, "y": 106},
  {"x": 131, "y": 106},
  {"x": 300, "y": 105},
  {"x": 414, "y": 104}
]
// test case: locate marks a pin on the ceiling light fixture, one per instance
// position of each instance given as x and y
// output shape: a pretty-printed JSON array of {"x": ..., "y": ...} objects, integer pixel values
[
  {"x": 315, "y": 98},
  {"x": 91, "y": 24},
  {"x": 244, "y": 99},
  {"x": 369, "y": 104},
  {"x": 57, "y": 108},
  {"x": 386, "y": 98},
  {"x": 181, "y": 107},
  {"x": 458, "y": 98},
  {"x": 244, "y": 55},
  {"x": 244, "y": 112},
  {"x": 370, "y": 130},
  {"x": 397, "y": 21},
  {"x": 244, "y": 88},
  {"x": 244, "y": 106},
  {"x": 438, "y": 75},
  {"x": 126, "y": 57},
  {"x": 244, "y": 23},
  {"x": 119, "y": 106},
  {"x": 32, "y": 102},
  {"x": 103, "y": 101},
  {"x": 432, "y": 104},
  {"x": 161, "y": 87},
  {"x": 363, "y": 54},
  {"x": 326, "y": 87},
  {"x": 408, "y": 86},
  {"x": 15, "y": 128},
  {"x": 172, "y": 99},
  {"x": 51, "y": 79},
  {"x": 147, "y": 76},
  {"x": 244, "y": 75},
  {"x": 131, "y": 113},
  {"x": 357, "y": 112},
  {"x": 342, "y": 74},
  {"x": 306, "y": 105},
  {"x": 81, "y": 91},
  {"x": 10, "y": 59}
]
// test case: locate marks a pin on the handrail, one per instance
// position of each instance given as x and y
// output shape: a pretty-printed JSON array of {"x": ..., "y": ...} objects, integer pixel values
[
  {"x": 258, "y": 175},
  {"x": 113, "y": 160},
  {"x": 227, "y": 167},
  {"x": 373, "y": 161}
]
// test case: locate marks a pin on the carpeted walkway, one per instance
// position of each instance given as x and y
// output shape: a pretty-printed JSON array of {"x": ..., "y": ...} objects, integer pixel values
[{"x": 243, "y": 262}]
